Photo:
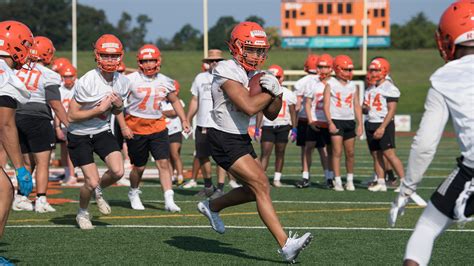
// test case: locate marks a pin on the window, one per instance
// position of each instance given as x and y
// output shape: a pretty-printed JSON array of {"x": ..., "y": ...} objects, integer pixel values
[
  {"x": 301, "y": 13},
  {"x": 383, "y": 24},
  {"x": 376, "y": 13},
  {"x": 382, "y": 12},
  {"x": 318, "y": 30},
  {"x": 294, "y": 13},
  {"x": 329, "y": 8},
  {"x": 287, "y": 14},
  {"x": 348, "y": 8},
  {"x": 351, "y": 30},
  {"x": 343, "y": 30},
  {"x": 303, "y": 30},
  {"x": 326, "y": 30},
  {"x": 339, "y": 8},
  {"x": 286, "y": 25},
  {"x": 321, "y": 9}
]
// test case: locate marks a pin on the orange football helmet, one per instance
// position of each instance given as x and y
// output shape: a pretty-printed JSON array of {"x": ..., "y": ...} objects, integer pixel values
[
  {"x": 16, "y": 40},
  {"x": 310, "y": 65},
  {"x": 343, "y": 67},
  {"x": 108, "y": 52},
  {"x": 149, "y": 52},
  {"x": 455, "y": 26},
  {"x": 278, "y": 72},
  {"x": 324, "y": 61},
  {"x": 59, "y": 62},
  {"x": 68, "y": 74},
  {"x": 378, "y": 70},
  {"x": 122, "y": 67},
  {"x": 249, "y": 45},
  {"x": 42, "y": 50}
]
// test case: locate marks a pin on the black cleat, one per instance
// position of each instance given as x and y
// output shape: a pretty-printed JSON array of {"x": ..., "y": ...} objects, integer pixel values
[
  {"x": 329, "y": 184},
  {"x": 303, "y": 183}
]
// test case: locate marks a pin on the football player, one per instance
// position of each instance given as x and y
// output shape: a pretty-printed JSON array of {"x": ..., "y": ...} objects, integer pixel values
[
  {"x": 231, "y": 146},
  {"x": 317, "y": 133},
  {"x": 16, "y": 40},
  {"x": 99, "y": 93},
  {"x": 451, "y": 94},
  {"x": 299, "y": 89},
  {"x": 33, "y": 120},
  {"x": 380, "y": 105},
  {"x": 201, "y": 106},
  {"x": 276, "y": 132},
  {"x": 344, "y": 115},
  {"x": 145, "y": 126}
]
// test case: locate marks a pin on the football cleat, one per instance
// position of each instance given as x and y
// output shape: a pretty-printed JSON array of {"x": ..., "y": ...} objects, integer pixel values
[
  {"x": 350, "y": 186},
  {"x": 216, "y": 222},
  {"x": 22, "y": 203},
  {"x": 217, "y": 193},
  {"x": 42, "y": 205},
  {"x": 329, "y": 183},
  {"x": 135, "y": 201},
  {"x": 294, "y": 246},
  {"x": 338, "y": 185},
  {"x": 190, "y": 184},
  {"x": 102, "y": 204},
  {"x": 276, "y": 183},
  {"x": 83, "y": 220},
  {"x": 206, "y": 192},
  {"x": 378, "y": 187},
  {"x": 303, "y": 183}
]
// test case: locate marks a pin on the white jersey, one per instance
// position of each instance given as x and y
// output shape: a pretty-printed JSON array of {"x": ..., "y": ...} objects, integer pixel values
[
  {"x": 172, "y": 123},
  {"x": 37, "y": 79},
  {"x": 283, "y": 118},
  {"x": 90, "y": 90},
  {"x": 11, "y": 85},
  {"x": 146, "y": 94},
  {"x": 376, "y": 98},
  {"x": 201, "y": 88},
  {"x": 301, "y": 86},
  {"x": 342, "y": 99},
  {"x": 315, "y": 92},
  {"x": 67, "y": 95},
  {"x": 225, "y": 116}
]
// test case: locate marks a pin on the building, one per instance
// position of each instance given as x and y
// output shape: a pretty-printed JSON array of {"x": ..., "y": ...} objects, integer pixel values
[{"x": 334, "y": 24}]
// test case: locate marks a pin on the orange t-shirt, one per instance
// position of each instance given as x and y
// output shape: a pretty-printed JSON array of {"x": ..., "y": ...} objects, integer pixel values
[{"x": 143, "y": 126}]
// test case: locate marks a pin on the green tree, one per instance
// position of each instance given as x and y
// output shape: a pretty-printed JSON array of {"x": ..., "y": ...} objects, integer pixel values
[
  {"x": 188, "y": 38},
  {"x": 260, "y": 21},
  {"x": 220, "y": 32},
  {"x": 416, "y": 33},
  {"x": 273, "y": 36},
  {"x": 139, "y": 32}
]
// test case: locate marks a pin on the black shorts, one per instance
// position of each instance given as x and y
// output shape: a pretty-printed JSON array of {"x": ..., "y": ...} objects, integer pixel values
[
  {"x": 36, "y": 134},
  {"x": 444, "y": 198},
  {"x": 277, "y": 134},
  {"x": 227, "y": 148},
  {"x": 82, "y": 147},
  {"x": 346, "y": 128},
  {"x": 301, "y": 136},
  {"x": 8, "y": 102},
  {"x": 202, "y": 145},
  {"x": 386, "y": 142},
  {"x": 118, "y": 134},
  {"x": 176, "y": 137},
  {"x": 140, "y": 146},
  {"x": 321, "y": 137}
]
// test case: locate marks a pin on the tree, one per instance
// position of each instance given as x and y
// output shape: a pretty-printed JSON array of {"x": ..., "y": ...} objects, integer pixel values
[
  {"x": 260, "y": 21},
  {"x": 188, "y": 38},
  {"x": 416, "y": 33},
  {"x": 220, "y": 32},
  {"x": 273, "y": 36},
  {"x": 138, "y": 33}
]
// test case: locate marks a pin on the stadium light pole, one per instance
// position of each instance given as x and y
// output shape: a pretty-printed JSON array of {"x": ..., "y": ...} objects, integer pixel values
[
  {"x": 204, "y": 19},
  {"x": 364, "y": 40},
  {"x": 74, "y": 33}
]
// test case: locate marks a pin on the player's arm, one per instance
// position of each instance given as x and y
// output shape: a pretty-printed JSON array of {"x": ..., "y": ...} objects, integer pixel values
[
  {"x": 239, "y": 95},
  {"x": 126, "y": 131},
  {"x": 193, "y": 107},
  {"x": 299, "y": 100},
  {"x": 53, "y": 97},
  {"x": 307, "y": 109},
  {"x": 391, "y": 110},
  {"x": 273, "y": 109},
  {"x": 358, "y": 112},
  {"x": 175, "y": 102},
  {"x": 427, "y": 138},
  {"x": 76, "y": 113}
]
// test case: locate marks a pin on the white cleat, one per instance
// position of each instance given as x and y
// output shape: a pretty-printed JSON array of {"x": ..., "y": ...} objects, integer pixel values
[
  {"x": 22, "y": 203},
  {"x": 190, "y": 184},
  {"x": 378, "y": 188},
  {"x": 42, "y": 205},
  {"x": 276, "y": 183},
  {"x": 216, "y": 222},
  {"x": 83, "y": 220},
  {"x": 234, "y": 184},
  {"x": 102, "y": 204},
  {"x": 294, "y": 246},
  {"x": 350, "y": 186},
  {"x": 172, "y": 207},
  {"x": 135, "y": 201},
  {"x": 338, "y": 186}
]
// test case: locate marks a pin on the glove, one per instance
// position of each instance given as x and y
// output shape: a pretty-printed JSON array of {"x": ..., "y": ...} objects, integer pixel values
[
  {"x": 271, "y": 84},
  {"x": 256, "y": 135},
  {"x": 293, "y": 134},
  {"x": 461, "y": 202},
  {"x": 25, "y": 181},
  {"x": 398, "y": 208}
]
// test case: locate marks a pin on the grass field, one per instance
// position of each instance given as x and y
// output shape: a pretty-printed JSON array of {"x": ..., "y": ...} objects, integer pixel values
[
  {"x": 411, "y": 69},
  {"x": 350, "y": 228}
]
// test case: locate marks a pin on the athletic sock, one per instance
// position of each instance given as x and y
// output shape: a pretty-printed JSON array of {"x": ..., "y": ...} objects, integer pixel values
[
  {"x": 277, "y": 176},
  {"x": 350, "y": 177},
  {"x": 220, "y": 186},
  {"x": 305, "y": 175}
]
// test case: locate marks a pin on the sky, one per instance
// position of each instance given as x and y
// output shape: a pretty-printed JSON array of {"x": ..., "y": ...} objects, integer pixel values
[{"x": 168, "y": 16}]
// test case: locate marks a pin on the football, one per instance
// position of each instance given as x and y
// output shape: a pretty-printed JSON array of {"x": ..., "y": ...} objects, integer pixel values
[{"x": 254, "y": 84}]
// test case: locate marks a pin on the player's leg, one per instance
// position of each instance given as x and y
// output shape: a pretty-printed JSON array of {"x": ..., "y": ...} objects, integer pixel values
[
  {"x": 337, "y": 146},
  {"x": 6, "y": 199},
  {"x": 280, "y": 148},
  {"x": 203, "y": 152},
  {"x": 349, "y": 150},
  {"x": 42, "y": 176},
  {"x": 377, "y": 156},
  {"x": 175, "y": 154},
  {"x": 91, "y": 182}
]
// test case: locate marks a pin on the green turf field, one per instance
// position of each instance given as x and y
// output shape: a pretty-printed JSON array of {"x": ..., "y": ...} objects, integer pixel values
[{"x": 348, "y": 227}]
